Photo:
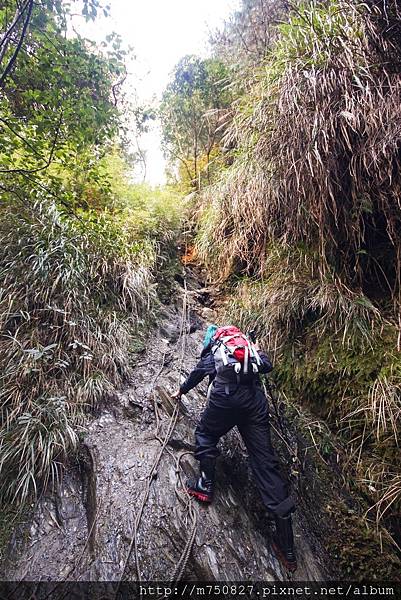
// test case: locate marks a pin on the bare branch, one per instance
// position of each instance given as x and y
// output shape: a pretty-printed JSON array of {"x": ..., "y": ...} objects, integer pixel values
[{"x": 19, "y": 45}]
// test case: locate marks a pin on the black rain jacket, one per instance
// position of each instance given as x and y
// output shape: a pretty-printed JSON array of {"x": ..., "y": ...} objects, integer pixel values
[{"x": 206, "y": 366}]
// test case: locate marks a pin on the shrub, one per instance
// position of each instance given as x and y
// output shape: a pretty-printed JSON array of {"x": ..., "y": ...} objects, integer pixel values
[{"x": 73, "y": 291}]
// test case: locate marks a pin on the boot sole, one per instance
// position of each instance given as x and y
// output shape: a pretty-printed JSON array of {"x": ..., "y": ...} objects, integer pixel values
[
  {"x": 290, "y": 566},
  {"x": 199, "y": 496}
]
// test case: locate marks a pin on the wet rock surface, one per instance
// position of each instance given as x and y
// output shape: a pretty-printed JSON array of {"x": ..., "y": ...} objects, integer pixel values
[{"x": 86, "y": 529}]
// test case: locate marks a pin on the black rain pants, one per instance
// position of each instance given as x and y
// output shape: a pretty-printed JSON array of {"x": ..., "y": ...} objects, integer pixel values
[{"x": 247, "y": 409}]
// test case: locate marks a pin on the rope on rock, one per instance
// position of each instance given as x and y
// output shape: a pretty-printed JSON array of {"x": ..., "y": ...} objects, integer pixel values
[{"x": 183, "y": 560}]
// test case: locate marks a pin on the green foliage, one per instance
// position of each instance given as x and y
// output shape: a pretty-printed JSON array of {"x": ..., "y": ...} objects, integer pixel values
[
  {"x": 64, "y": 333},
  {"x": 82, "y": 247},
  {"x": 76, "y": 287},
  {"x": 315, "y": 34},
  {"x": 359, "y": 550},
  {"x": 57, "y": 112},
  {"x": 292, "y": 298},
  {"x": 192, "y": 111},
  {"x": 75, "y": 290}
]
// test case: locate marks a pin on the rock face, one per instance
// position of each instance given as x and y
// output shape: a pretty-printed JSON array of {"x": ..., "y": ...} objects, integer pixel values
[{"x": 116, "y": 517}]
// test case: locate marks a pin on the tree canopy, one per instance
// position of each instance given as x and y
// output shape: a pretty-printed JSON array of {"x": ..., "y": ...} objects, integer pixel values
[
  {"x": 59, "y": 102},
  {"x": 82, "y": 247},
  {"x": 193, "y": 109}
]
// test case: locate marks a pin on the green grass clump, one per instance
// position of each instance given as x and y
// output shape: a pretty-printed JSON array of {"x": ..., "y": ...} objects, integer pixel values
[
  {"x": 75, "y": 288},
  {"x": 65, "y": 285},
  {"x": 293, "y": 296}
]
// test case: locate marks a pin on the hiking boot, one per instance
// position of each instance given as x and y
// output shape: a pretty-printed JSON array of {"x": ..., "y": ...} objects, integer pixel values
[
  {"x": 202, "y": 489},
  {"x": 283, "y": 543}
]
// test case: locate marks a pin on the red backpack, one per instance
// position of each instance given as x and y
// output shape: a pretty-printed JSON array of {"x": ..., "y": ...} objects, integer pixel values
[{"x": 233, "y": 351}]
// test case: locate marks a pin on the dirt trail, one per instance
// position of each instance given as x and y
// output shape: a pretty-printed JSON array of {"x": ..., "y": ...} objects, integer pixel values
[{"x": 84, "y": 531}]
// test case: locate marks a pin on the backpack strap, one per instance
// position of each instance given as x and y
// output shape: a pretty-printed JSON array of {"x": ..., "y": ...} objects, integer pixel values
[
  {"x": 246, "y": 360},
  {"x": 223, "y": 355},
  {"x": 255, "y": 355}
]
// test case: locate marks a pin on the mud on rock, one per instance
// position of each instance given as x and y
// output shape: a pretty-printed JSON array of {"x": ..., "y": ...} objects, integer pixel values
[{"x": 85, "y": 530}]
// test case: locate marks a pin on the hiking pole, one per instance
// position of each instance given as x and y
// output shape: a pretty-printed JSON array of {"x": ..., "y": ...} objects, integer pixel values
[
  {"x": 275, "y": 404},
  {"x": 295, "y": 464}
]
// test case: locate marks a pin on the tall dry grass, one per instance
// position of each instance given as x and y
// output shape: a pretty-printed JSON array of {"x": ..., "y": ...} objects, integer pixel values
[
  {"x": 307, "y": 220},
  {"x": 73, "y": 292},
  {"x": 292, "y": 299},
  {"x": 318, "y": 142}
]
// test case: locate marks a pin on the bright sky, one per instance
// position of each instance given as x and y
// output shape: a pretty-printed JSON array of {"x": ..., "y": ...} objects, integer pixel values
[{"x": 161, "y": 32}]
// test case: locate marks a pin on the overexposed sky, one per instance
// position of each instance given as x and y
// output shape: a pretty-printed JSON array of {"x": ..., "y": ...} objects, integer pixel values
[{"x": 161, "y": 32}]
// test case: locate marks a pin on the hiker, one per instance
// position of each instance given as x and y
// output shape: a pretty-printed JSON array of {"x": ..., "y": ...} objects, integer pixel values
[{"x": 236, "y": 398}]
